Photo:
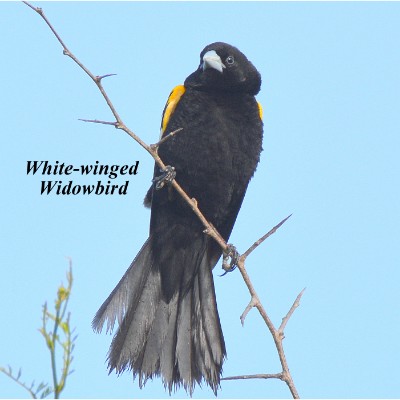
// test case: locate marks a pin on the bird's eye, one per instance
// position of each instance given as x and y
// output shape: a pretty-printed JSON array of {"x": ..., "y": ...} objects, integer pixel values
[{"x": 230, "y": 60}]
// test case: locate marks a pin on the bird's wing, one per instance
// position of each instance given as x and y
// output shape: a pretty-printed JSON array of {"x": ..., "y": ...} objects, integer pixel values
[{"x": 169, "y": 108}]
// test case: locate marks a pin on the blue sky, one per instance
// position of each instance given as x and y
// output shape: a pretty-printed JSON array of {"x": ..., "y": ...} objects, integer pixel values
[{"x": 330, "y": 95}]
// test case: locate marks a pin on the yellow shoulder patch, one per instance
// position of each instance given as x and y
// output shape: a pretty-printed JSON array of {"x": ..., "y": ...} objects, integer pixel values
[
  {"x": 172, "y": 102},
  {"x": 260, "y": 110}
]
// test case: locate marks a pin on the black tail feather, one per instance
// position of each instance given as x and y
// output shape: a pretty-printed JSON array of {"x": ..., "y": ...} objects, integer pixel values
[
  {"x": 126, "y": 294},
  {"x": 172, "y": 333}
]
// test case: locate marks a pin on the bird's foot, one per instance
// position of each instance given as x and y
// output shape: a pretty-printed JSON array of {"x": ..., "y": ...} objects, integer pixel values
[
  {"x": 167, "y": 176},
  {"x": 230, "y": 259}
]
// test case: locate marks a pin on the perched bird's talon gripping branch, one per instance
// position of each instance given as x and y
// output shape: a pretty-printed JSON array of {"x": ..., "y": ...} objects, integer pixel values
[
  {"x": 168, "y": 174},
  {"x": 230, "y": 259}
]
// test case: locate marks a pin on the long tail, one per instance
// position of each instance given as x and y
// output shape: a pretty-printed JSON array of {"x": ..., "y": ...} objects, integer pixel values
[{"x": 167, "y": 316}]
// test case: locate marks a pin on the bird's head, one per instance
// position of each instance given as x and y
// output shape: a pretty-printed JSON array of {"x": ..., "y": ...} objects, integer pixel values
[{"x": 224, "y": 68}]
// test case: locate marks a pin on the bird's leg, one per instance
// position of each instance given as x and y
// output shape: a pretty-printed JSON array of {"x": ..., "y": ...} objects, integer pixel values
[
  {"x": 167, "y": 176},
  {"x": 230, "y": 259}
]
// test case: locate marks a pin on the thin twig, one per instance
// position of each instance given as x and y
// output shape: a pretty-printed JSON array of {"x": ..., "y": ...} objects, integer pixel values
[
  {"x": 255, "y": 376},
  {"x": 266, "y": 236},
  {"x": 155, "y": 146},
  {"x": 253, "y": 303},
  {"x": 290, "y": 312},
  {"x": 99, "y": 78},
  {"x": 277, "y": 334},
  {"x": 97, "y": 121}
]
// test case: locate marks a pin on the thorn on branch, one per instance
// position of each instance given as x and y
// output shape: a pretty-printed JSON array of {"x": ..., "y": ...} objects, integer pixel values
[
  {"x": 96, "y": 121},
  {"x": 263, "y": 238},
  {"x": 286, "y": 318},
  {"x": 99, "y": 78},
  {"x": 256, "y": 376},
  {"x": 155, "y": 146},
  {"x": 253, "y": 303},
  {"x": 209, "y": 228}
]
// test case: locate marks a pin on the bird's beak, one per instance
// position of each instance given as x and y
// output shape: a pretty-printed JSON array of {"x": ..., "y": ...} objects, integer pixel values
[{"x": 212, "y": 60}]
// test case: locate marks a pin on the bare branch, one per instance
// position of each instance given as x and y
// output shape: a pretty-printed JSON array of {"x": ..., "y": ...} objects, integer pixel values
[
  {"x": 155, "y": 146},
  {"x": 277, "y": 334},
  {"x": 266, "y": 236},
  {"x": 290, "y": 312},
  {"x": 67, "y": 52},
  {"x": 255, "y": 376},
  {"x": 99, "y": 78},
  {"x": 253, "y": 303},
  {"x": 96, "y": 121},
  {"x": 41, "y": 13}
]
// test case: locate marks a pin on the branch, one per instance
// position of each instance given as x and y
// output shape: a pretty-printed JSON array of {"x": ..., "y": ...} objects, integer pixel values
[
  {"x": 97, "y": 121},
  {"x": 277, "y": 334},
  {"x": 290, "y": 312},
  {"x": 256, "y": 376},
  {"x": 263, "y": 238},
  {"x": 165, "y": 138},
  {"x": 209, "y": 228}
]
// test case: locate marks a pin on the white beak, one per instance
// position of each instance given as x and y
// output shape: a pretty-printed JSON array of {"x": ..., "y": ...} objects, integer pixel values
[{"x": 212, "y": 60}]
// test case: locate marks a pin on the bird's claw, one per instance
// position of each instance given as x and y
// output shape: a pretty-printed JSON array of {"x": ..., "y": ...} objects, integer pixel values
[
  {"x": 230, "y": 259},
  {"x": 167, "y": 176}
]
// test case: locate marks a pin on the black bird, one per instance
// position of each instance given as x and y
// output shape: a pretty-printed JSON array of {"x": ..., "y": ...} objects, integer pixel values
[{"x": 165, "y": 303}]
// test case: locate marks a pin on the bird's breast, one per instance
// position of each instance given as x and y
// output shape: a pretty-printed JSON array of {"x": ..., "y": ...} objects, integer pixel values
[{"x": 217, "y": 151}]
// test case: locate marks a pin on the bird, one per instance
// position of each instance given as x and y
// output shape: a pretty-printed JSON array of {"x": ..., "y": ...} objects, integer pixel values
[{"x": 165, "y": 304}]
